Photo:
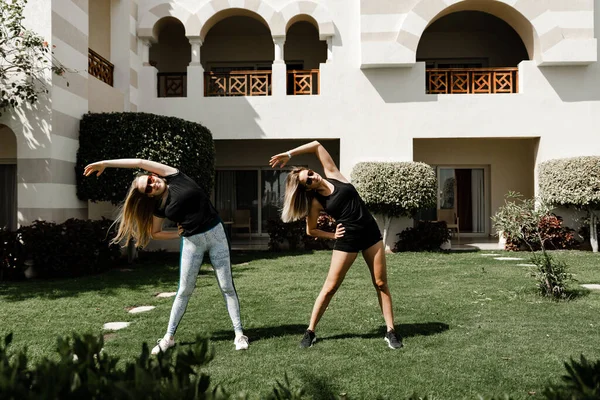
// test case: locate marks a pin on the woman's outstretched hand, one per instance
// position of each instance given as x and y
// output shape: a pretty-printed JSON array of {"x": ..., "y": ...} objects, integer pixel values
[
  {"x": 339, "y": 231},
  {"x": 94, "y": 167},
  {"x": 281, "y": 158}
]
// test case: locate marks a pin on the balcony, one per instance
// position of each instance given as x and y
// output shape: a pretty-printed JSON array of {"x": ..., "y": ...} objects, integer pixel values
[
  {"x": 237, "y": 83},
  {"x": 303, "y": 82},
  {"x": 172, "y": 84},
  {"x": 100, "y": 67},
  {"x": 472, "y": 80}
]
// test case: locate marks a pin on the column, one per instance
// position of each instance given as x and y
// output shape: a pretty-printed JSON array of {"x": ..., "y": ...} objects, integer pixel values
[
  {"x": 195, "y": 71},
  {"x": 279, "y": 72}
]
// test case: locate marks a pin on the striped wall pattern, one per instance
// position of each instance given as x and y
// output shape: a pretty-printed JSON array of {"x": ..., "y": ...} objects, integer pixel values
[
  {"x": 133, "y": 50},
  {"x": 46, "y": 184},
  {"x": 396, "y": 26}
]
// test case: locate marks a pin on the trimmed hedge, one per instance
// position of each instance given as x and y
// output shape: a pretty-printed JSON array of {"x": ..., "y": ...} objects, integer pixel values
[
  {"x": 571, "y": 181},
  {"x": 73, "y": 248},
  {"x": 182, "y": 144},
  {"x": 395, "y": 188}
]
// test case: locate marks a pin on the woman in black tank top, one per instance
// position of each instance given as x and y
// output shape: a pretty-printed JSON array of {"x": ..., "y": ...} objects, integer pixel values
[{"x": 307, "y": 194}]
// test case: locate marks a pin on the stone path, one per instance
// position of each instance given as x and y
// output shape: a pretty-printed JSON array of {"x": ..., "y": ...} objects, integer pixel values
[
  {"x": 166, "y": 294},
  {"x": 141, "y": 309},
  {"x": 509, "y": 258},
  {"x": 115, "y": 326},
  {"x": 591, "y": 286}
]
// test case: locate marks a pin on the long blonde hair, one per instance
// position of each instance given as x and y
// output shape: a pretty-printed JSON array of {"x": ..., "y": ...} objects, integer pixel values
[
  {"x": 135, "y": 216},
  {"x": 297, "y": 200}
]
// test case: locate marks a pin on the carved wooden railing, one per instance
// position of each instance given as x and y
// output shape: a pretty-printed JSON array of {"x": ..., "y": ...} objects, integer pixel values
[
  {"x": 472, "y": 80},
  {"x": 100, "y": 67},
  {"x": 237, "y": 83},
  {"x": 303, "y": 82},
  {"x": 172, "y": 84}
]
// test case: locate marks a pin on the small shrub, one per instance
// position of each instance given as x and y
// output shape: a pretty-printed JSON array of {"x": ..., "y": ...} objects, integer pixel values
[
  {"x": 425, "y": 236},
  {"x": 73, "y": 248},
  {"x": 551, "y": 275},
  {"x": 554, "y": 235},
  {"x": 582, "y": 382}
]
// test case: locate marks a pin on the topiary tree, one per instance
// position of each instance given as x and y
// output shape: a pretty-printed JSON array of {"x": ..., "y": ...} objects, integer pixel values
[
  {"x": 573, "y": 182},
  {"x": 25, "y": 57},
  {"x": 395, "y": 189},
  {"x": 182, "y": 144}
]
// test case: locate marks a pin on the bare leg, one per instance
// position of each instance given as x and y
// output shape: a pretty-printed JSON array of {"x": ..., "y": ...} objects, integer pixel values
[
  {"x": 340, "y": 264},
  {"x": 375, "y": 259}
]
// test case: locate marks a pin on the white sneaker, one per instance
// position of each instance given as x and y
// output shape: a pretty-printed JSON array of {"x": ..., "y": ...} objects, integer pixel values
[
  {"x": 163, "y": 345},
  {"x": 241, "y": 342}
]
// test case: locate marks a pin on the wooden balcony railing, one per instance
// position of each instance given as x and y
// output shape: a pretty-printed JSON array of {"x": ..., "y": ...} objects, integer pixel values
[
  {"x": 100, "y": 67},
  {"x": 303, "y": 82},
  {"x": 172, "y": 84},
  {"x": 237, "y": 83},
  {"x": 472, "y": 80}
]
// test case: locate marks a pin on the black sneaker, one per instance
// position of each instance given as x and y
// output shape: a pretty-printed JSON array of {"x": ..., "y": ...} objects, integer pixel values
[
  {"x": 393, "y": 340},
  {"x": 308, "y": 340}
]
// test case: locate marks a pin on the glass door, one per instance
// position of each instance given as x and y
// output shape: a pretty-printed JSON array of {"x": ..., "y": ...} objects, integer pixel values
[{"x": 272, "y": 192}]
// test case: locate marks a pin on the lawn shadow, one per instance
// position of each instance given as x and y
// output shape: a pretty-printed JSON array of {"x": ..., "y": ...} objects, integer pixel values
[
  {"x": 405, "y": 330},
  {"x": 256, "y": 334}
]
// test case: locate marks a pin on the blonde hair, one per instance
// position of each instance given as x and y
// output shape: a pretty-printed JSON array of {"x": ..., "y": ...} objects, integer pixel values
[
  {"x": 135, "y": 216},
  {"x": 297, "y": 200}
]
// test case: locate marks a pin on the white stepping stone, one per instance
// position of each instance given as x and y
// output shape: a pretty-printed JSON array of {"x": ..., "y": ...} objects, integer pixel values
[
  {"x": 488, "y": 254},
  {"x": 525, "y": 265},
  {"x": 246, "y": 263},
  {"x": 592, "y": 286},
  {"x": 124, "y": 270},
  {"x": 141, "y": 309},
  {"x": 115, "y": 326},
  {"x": 166, "y": 294},
  {"x": 508, "y": 258}
]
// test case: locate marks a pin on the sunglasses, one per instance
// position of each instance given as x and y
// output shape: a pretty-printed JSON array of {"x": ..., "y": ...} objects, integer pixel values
[
  {"x": 150, "y": 181},
  {"x": 309, "y": 179}
]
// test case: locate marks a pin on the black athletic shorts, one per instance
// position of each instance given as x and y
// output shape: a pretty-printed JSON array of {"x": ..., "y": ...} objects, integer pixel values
[{"x": 357, "y": 241}]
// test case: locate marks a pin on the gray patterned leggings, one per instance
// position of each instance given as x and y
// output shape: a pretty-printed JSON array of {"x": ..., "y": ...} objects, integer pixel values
[{"x": 192, "y": 252}]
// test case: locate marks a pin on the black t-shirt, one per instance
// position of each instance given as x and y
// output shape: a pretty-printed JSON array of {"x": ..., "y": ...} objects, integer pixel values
[
  {"x": 188, "y": 205},
  {"x": 346, "y": 207}
]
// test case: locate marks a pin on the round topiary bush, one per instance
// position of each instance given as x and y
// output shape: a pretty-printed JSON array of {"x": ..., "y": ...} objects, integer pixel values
[
  {"x": 182, "y": 144},
  {"x": 573, "y": 182},
  {"x": 395, "y": 189}
]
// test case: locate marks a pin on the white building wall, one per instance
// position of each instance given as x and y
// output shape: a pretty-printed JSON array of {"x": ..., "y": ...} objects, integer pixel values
[{"x": 376, "y": 112}]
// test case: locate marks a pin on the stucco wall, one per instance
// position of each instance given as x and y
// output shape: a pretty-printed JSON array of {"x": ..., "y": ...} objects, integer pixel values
[
  {"x": 104, "y": 98},
  {"x": 100, "y": 27},
  {"x": 8, "y": 144}
]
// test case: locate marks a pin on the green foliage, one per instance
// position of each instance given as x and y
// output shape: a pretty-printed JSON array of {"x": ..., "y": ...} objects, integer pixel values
[
  {"x": 523, "y": 220},
  {"x": 571, "y": 181},
  {"x": 73, "y": 248},
  {"x": 582, "y": 382},
  {"x": 552, "y": 233},
  {"x": 395, "y": 189},
  {"x": 551, "y": 275},
  {"x": 426, "y": 236},
  {"x": 85, "y": 371},
  {"x": 185, "y": 145},
  {"x": 24, "y": 58},
  {"x": 295, "y": 233}
]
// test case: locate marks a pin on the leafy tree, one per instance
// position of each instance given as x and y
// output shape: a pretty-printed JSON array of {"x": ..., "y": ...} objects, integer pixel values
[
  {"x": 395, "y": 189},
  {"x": 25, "y": 57},
  {"x": 573, "y": 182}
]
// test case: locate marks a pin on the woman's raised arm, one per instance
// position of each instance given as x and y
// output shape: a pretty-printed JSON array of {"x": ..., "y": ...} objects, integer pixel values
[
  {"x": 331, "y": 170},
  {"x": 150, "y": 166}
]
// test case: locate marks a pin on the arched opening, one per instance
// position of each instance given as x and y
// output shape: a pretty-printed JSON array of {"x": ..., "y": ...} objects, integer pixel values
[
  {"x": 171, "y": 56},
  {"x": 8, "y": 178},
  {"x": 237, "y": 56},
  {"x": 303, "y": 54},
  {"x": 471, "y": 52}
]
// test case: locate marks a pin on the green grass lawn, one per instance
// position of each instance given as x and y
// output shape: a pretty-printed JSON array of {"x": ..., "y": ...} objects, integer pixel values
[{"x": 471, "y": 324}]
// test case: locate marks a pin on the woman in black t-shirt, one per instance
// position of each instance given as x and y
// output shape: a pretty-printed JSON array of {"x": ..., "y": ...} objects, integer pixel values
[
  {"x": 169, "y": 193},
  {"x": 306, "y": 195}
]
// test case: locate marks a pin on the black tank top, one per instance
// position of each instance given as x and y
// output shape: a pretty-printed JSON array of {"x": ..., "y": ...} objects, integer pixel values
[
  {"x": 188, "y": 205},
  {"x": 346, "y": 206}
]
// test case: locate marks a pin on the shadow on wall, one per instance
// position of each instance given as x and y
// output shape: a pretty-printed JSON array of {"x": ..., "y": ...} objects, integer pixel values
[
  {"x": 574, "y": 83},
  {"x": 400, "y": 85}
]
